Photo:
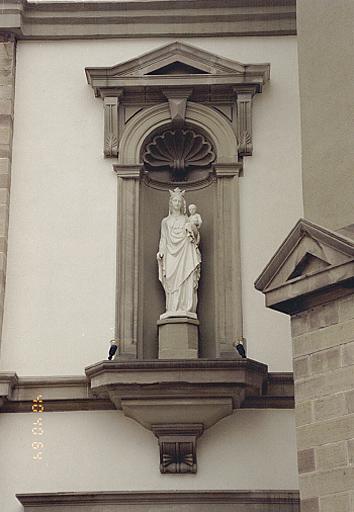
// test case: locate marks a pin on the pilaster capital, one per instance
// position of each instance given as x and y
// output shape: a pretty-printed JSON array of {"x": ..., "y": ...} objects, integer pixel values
[
  {"x": 128, "y": 171},
  {"x": 228, "y": 170}
]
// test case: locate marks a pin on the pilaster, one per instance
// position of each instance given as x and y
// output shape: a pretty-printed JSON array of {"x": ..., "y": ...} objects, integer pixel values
[
  {"x": 127, "y": 259},
  {"x": 228, "y": 286},
  {"x": 7, "y": 96}
]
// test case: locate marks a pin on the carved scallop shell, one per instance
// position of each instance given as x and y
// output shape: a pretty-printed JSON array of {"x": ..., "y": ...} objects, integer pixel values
[{"x": 178, "y": 151}]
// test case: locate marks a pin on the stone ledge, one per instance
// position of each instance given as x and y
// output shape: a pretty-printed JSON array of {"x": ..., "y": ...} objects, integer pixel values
[
  {"x": 62, "y": 394},
  {"x": 169, "y": 18},
  {"x": 288, "y": 500}
]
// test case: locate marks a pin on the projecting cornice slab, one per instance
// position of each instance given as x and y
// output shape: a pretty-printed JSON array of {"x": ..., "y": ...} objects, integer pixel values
[
  {"x": 311, "y": 266},
  {"x": 177, "y": 65},
  {"x": 167, "y": 18}
]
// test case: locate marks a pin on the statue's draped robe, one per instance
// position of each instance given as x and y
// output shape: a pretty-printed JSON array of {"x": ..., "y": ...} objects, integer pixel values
[{"x": 179, "y": 268}]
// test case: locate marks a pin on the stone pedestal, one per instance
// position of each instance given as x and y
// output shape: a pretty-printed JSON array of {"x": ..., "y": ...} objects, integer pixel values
[{"x": 178, "y": 338}]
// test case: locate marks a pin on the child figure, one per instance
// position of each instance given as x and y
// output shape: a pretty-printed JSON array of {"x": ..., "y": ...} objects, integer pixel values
[{"x": 193, "y": 224}]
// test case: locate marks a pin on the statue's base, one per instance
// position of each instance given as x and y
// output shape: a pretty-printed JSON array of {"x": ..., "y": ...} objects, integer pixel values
[
  {"x": 178, "y": 338},
  {"x": 178, "y": 314}
]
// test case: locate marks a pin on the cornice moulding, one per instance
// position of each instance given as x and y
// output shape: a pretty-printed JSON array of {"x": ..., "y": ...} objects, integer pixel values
[
  {"x": 288, "y": 499},
  {"x": 168, "y": 18},
  {"x": 74, "y": 394}
]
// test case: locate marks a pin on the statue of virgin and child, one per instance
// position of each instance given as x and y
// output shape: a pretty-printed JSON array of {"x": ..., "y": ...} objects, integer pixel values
[{"x": 179, "y": 257}]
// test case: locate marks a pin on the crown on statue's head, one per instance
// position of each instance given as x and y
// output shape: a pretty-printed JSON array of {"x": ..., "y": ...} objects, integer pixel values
[{"x": 177, "y": 192}]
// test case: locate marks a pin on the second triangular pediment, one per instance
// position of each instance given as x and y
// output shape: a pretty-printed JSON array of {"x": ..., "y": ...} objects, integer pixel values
[
  {"x": 307, "y": 265},
  {"x": 309, "y": 249}
]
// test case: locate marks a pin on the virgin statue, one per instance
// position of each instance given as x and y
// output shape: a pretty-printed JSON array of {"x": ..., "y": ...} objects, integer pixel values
[{"x": 179, "y": 259}]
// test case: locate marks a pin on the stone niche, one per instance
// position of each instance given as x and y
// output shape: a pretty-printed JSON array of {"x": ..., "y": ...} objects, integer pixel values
[{"x": 178, "y": 117}]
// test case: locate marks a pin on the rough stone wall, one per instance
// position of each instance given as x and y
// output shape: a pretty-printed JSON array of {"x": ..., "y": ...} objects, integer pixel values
[
  {"x": 323, "y": 349},
  {"x": 7, "y": 93}
]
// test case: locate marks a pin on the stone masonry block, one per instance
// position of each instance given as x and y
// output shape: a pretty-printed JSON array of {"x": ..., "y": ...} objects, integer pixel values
[
  {"x": 2, "y": 262},
  {"x": 351, "y": 452},
  {"x": 6, "y": 134},
  {"x": 7, "y": 49},
  {"x": 299, "y": 324},
  {"x": 6, "y": 92},
  {"x": 346, "y": 309},
  {"x": 324, "y": 338},
  {"x": 5, "y": 150},
  {"x": 322, "y": 385},
  {"x": 4, "y": 218},
  {"x": 325, "y": 360},
  {"x": 349, "y": 398},
  {"x": 310, "y": 505},
  {"x": 348, "y": 354},
  {"x": 303, "y": 413},
  {"x": 6, "y": 76},
  {"x": 3, "y": 244},
  {"x": 301, "y": 367},
  {"x": 330, "y": 431},
  {"x": 306, "y": 460},
  {"x": 314, "y": 319},
  {"x": 335, "y": 503},
  {"x": 4, "y": 166},
  {"x": 4, "y": 181},
  {"x": 6, "y": 61},
  {"x": 4, "y": 196},
  {"x": 331, "y": 455},
  {"x": 333, "y": 406},
  {"x": 6, "y": 107},
  {"x": 322, "y": 483}
]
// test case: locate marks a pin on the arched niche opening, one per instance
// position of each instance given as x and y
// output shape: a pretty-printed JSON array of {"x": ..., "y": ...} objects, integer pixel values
[
  {"x": 211, "y": 184},
  {"x": 175, "y": 157}
]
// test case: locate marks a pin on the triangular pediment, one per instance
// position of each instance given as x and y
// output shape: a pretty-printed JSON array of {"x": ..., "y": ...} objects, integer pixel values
[
  {"x": 308, "y": 264},
  {"x": 308, "y": 250},
  {"x": 178, "y": 58}
]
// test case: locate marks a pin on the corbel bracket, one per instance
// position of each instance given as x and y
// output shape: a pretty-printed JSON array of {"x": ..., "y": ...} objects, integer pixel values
[
  {"x": 177, "y": 100},
  {"x": 177, "y": 399},
  {"x": 177, "y": 443},
  {"x": 244, "y": 100},
  {"x": 111, "y": 130}
]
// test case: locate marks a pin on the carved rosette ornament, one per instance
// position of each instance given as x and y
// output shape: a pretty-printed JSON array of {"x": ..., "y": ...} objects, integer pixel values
[
  {"x": 178, "y": 151},
  {"x": 178, "y": 446}
]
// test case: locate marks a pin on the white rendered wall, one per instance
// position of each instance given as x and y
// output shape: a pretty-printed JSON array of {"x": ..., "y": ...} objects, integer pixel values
[
  {"x": 89, "y": 451},
  {"x": 60, "y": 295}
]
